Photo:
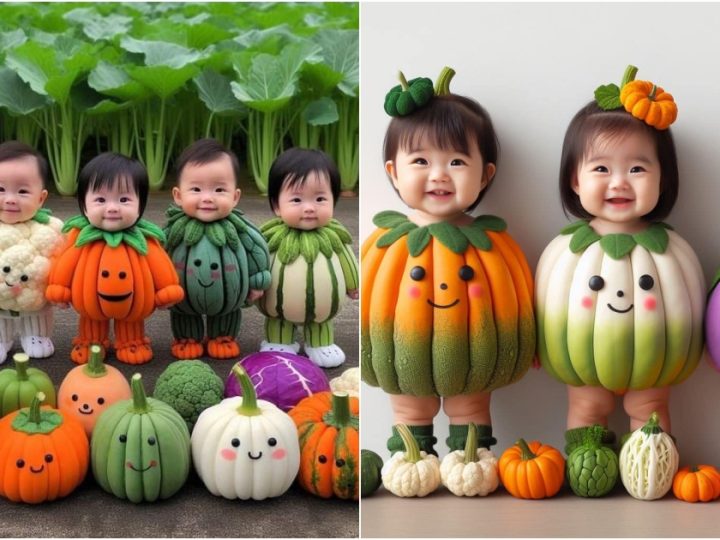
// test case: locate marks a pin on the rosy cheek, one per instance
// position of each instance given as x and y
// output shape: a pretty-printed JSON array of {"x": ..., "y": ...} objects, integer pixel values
[
  {"x": 475, "y": 291},
  {"x": 414, "y": 292},
  {"x": 279, "y": 454},
  {"x": 215, "y": 274},
  {"x": 228, "y": 454},
  {"x": 650, "y": 303},
  {"x": 587, "y": 302},
  {"x": 190, "y": 272}
]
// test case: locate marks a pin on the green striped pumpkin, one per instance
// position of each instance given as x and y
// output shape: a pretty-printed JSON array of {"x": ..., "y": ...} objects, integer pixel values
[{"x": 311, "y": 271}]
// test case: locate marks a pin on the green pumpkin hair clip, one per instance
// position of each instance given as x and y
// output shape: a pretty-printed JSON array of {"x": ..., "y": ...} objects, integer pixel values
[
  {"x": 409, "y": 96},
  {"x": 643, "y": 99}
]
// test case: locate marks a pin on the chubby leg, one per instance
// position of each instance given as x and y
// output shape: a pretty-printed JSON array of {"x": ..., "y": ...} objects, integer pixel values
[
  {"x": 462, "y": 410},
  {"x": 131, "y": 345},
  {"x": 90, "y": 331},
  {"x": 418, "y": 413},
  {"x": 588, "y": 405},
  {"x": 320, "y": 344},
  {"x": 640, "y": 404},
  {"x": 188, "y": 331},
  {"x": 222, "y": 331},
  {"x": 279, "y": 336},
  {"x": 35, "y": 330}
]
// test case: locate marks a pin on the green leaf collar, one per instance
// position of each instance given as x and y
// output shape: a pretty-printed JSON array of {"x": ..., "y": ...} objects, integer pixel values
[
  {"x": 655, "y": 239},
  {"x": 290, "y": 243},
  {"x": 133, "y": 236},
  {"x": 42, "y": 216},
  {"x": 453, "y": 237},
  {"x": 226, "y": 231}
]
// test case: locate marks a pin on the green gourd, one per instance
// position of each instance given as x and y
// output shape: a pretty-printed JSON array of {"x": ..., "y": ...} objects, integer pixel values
[
  {"x": 140, "y": 448},
  {"x": 18, "y": 386},
  {"x": 370, "y": 477},
  {"x": 592, "y": 469}
]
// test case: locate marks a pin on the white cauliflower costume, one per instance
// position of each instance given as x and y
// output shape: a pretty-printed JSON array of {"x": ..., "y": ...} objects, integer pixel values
[{"x": 26, "y": 250}]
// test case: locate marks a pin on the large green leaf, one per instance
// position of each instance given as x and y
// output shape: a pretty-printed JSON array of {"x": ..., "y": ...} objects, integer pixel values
[
  {"x": 272, "y": 80},
  {"x": 254, "y": 38},
  {"x": 115, "y": 82},
  {"x": 160, "y": 53},
  {"x": 163, "y": 81},
  {"x": 17, "y": 96},
  {"x": 11, "y": 39},
  {"x": 98, "y": 27},
  {"x": 341, "y": 51},
  {"x": 321, "y": 112},
  {"x": 214, "y": 90}
]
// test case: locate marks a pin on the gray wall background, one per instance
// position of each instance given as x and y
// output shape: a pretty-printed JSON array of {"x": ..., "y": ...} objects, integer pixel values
[{"x": 533, "y": 66}]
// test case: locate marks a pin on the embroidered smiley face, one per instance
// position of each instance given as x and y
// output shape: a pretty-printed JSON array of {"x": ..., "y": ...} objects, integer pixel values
[{"x": 447, "y": 294}]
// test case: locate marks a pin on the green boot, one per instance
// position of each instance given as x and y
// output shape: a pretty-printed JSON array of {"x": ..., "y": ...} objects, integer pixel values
[
  {"x": 459, "y": 432},
  {"x": 574, "y": 438},
  {"x": 423, "y": 435}
]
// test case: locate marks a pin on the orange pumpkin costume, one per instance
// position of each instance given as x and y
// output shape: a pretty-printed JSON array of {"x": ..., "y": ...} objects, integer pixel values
[{"x": 121, "y": 275}]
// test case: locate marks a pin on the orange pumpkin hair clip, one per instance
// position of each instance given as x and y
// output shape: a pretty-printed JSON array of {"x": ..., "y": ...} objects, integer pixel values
[{"x": 643, "y": 99}]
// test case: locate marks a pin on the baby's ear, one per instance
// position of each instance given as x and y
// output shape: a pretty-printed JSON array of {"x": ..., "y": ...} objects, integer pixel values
[
  {"x": 490, "y": 170},
  {"x": 177, "y": 197},
  {"x": 43, "y": 196},
  {"x": 236, "y": 196},
  {"x": 390, "y": 170}
]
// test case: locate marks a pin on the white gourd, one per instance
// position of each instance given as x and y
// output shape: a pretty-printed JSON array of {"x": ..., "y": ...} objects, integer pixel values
[
  {"x": 411, "y": 473},
  {"x": 348, "y": 381},
  {"x": 648, "y": 462},
  {"x": 472, "y": 471}
]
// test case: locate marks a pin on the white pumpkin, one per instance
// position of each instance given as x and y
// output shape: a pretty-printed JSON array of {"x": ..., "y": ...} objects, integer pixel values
[
  {"x": 648, "y": 462},
  {"x": 472, "y": 471},
  {"x": 411, "y": 473},
  {"x": 348, "y": 381},
  {"x": 244, "y": 448}
]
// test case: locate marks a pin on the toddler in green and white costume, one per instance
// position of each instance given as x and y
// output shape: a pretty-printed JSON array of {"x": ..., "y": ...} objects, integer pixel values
[{"x": 313, "y": 266}]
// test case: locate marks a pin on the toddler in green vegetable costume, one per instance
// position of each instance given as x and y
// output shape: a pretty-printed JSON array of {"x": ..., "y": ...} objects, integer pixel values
[
  {"x": 219, "y": 255},
  {"x": 29, "y": 238},
  {"x": 313, "y": 266},
  {"x": 447, "y": 312}
]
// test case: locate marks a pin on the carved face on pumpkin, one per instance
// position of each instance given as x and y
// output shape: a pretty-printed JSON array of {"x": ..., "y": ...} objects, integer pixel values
[{"x": 115, "y": 282}]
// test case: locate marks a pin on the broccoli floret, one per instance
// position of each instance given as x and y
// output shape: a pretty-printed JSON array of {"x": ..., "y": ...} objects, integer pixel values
[{"x": 189, "y": 387}]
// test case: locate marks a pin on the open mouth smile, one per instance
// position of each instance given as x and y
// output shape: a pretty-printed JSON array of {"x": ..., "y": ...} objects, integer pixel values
[
  {"x": 83, "y": 411},
  {"x": 41, "y": 469},
  {"x": 620, "y": 310},
  {"x": 440, "y": 306},
  {"x": 250, "y": 455}
]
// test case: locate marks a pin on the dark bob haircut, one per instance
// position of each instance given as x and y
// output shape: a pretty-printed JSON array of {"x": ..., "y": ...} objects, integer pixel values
[
  {"x": 584, "y": 129},
  {"x": 205, "y": 151},
  {"x": 292, "y": 167},
  {"x": 449, "y": 122},
  {"x": 10, "y": 150},
  {"x": 109, "y": 169}
]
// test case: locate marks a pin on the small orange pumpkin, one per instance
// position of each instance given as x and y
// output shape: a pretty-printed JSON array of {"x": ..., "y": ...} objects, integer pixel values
[
  {"x": 44, "y": 454},
  {"x": 532, "y": 471},
  {"x": 700, "y": 483},
  {"x": 649, "y": 103}
]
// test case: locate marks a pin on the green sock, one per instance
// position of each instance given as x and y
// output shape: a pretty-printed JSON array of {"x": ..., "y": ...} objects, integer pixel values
[
  {"x": 459, "y": 432},
  {"x": 423, "y": 435},
  {"x": 575, "y": 437}
]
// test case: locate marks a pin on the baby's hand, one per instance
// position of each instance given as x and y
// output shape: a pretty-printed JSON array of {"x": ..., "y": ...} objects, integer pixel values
[
  {"x": 254, "y": 294},
  {"x": 354, "y": 294}
]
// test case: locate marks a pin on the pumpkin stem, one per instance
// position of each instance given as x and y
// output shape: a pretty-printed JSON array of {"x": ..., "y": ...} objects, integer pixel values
[
  {"x": 442, "y": 85},
  {"x": 249, "y": 406},
  {"x": 594, "y": 435},
  {"x": 34, "y": 412},
  {"x": 21, "y": 361},
  {"x": 140, "y": 403},
  {"x": 652, "y": 427},
  {"x": 95, "y": 366},
  {"x": 340, "y": 416},
  {"x": 412, "y": 450},
  {"x": 527, "y": 454},
  {"x": 471, "y": 444},
  {"x": 403, "y": 81},
  {"x": 694, "y": 469},
  {"x": 651, "y": 97},
  {"x": 629, "y": 75}
]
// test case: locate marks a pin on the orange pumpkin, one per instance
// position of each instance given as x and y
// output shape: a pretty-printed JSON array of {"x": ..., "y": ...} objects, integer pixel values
[
  {"x": 329, "y": 444},
  {"x": 44, "y": 454},
  {"x": 701, "y": 483},
  {"x": 532, "y": 471},
  {"x": 649, "y": 103},
  {"x": 86, "y": 391}
]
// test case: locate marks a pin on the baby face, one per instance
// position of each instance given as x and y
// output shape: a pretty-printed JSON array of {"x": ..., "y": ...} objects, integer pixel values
[
  {"x": 112, "y": 208},
  {"x": 21, "y": 190},
  {"x": 207, "y": 191},
  {"x": 307, "y": 206}
]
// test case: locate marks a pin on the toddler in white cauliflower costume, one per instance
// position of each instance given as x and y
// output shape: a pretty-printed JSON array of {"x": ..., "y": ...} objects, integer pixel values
[{"x": 29, "y": 238}]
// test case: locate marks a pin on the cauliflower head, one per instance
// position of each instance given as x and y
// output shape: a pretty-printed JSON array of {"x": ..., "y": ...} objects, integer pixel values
[
  {"x": 189, "y": 387},
  {"x": 26, "y": 250}
]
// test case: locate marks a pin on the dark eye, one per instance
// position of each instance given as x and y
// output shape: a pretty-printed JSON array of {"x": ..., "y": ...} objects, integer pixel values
[
  {"x": 417, "y": 273},
  {"x": 105, "y": 273},
  {"x": 101, "y": 401},
  {"x": 466, "y": 273},
  {"x": 122, "y": 438},
  {"x": 272, "y": 441},
  {"x": 48, "y": 458},
  {"x": 20, "y": 463},
  {"x": 339, "y": 463},
  {"x": 214, "y": 266},
  {"x": 122, "y": 275},
  {"x": 646, "y": 282},
  {"x": 151, "y": 441},
  {"x": 197, "y": 262},
  {"x": 24, "y": 278},
  {"x": 322, "y": 459},
  {"x": 6, "y": 269},
  {"x": 596, "y": 283},
  {"x": 235, "y": 442},
  {"x": 74, "y": 397}
]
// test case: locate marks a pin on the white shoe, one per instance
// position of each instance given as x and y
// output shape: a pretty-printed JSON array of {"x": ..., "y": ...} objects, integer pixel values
[
  {"x": 5, "y": 347},
  {"x": 36, "y": 346},
  {"x": 327, "y": 356},
  {"x": 280, "y": 347}
]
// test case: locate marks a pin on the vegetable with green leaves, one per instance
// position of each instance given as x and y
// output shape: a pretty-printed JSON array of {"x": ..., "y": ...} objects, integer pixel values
[{"x": 592, "y": 469}]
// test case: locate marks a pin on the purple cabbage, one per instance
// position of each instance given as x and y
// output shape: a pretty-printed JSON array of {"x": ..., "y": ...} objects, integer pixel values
[{"x": 280, "y": 378}]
